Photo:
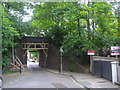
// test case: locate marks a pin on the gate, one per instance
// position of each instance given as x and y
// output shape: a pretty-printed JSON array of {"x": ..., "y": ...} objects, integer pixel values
[{"x": 102, "y": 68}]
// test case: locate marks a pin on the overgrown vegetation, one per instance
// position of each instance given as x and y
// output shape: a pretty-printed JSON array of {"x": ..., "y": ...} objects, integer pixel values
[
  {"x": 72, "y": 68},
  {"x": 13, "y": 28},
  {"x": 35, "y": 54}
]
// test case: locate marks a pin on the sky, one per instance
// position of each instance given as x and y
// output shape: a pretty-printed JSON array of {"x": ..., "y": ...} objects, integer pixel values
[
  {"x": 28, "y": 17},
  {"x": 29, "y": 11}
]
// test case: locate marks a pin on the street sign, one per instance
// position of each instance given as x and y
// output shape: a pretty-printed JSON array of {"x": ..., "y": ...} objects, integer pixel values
[
  {"x": 90, "y": 52},
  {"x": 115, "y": 50},
  {"x": 61, "y": 49}
]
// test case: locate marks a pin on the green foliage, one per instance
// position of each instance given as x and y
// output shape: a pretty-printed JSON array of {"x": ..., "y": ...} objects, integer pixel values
[
  {"x": 35, "y": 55},
  {"x": 8, "y": 32},
  {"x": 72, "y": 68},
  {"x": 77, "y": 27},
  {"x": 57, "y": 35},
  {"x": 11, "y": 72},
  {"x": 5, "y": 61},
  {"x": 15, "y": 6},
  {"x": 12, "y": 27}
]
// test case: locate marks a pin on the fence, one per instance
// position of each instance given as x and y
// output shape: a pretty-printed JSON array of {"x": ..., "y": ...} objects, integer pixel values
[{"x": 102, "y": 68}]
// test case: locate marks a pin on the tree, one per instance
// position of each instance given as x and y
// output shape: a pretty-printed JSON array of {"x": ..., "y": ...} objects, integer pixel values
[
  {"x": 8, "y": 34},
  {"x": 73, "y": 25},
  {"x": 13, "y": 28},
  {"x": 83, "y": 27}
]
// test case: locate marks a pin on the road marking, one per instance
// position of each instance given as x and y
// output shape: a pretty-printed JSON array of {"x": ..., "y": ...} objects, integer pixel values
[
  {"x": 81, "y": 86},
  {"x": 74, "y": 81},
  {"x": 77, "y": 83}
]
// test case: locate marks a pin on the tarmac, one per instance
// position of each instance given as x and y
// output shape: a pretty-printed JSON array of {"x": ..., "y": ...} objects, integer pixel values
[
  {"x": 87, "y": 80},
  {"x": 84, "y": 80}
]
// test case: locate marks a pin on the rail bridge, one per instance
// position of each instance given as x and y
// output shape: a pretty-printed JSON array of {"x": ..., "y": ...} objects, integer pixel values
[
  {"x": 38, "y": 44},
  {"x": 49, "y": 55}
]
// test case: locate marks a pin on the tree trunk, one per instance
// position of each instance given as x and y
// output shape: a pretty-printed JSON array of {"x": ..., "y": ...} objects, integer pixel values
[
  {"x": 88, "y": 28},
  {"x": 93, "y": 23},
  {"x": 88, "y": 25},
  {"x": 79, "y": 26}
]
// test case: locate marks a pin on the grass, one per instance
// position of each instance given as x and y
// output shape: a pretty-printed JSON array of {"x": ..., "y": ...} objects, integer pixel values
[{"x": 11, "y": 72}]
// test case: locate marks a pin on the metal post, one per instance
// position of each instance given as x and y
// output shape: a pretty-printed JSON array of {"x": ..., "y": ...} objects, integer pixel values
[
  {"x": 61, "y": 63},
  {"x": 90, "y": 64},
  {"x": 61, "y": 50},
  {"x": 20, "y": 69}
]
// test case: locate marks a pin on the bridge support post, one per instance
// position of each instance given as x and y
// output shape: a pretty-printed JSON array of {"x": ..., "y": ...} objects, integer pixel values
[
  {"x": 24, "y": 56},
  {"x": 42, "y": 59}
]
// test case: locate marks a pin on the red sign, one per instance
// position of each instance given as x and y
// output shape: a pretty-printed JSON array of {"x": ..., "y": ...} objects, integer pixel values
[{"x": 90, "y": 52}]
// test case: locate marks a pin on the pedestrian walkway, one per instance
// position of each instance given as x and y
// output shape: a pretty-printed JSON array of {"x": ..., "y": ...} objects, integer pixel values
[{"x": 87, "y": 80}]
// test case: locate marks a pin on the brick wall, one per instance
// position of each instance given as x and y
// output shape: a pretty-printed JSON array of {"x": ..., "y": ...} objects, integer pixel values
[{"x": 53, "y": 61}]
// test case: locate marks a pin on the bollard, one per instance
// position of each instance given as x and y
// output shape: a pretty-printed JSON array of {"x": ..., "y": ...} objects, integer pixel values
[
  {"x": 59, "y": 70},
  {"x": 20, "y": 69}
]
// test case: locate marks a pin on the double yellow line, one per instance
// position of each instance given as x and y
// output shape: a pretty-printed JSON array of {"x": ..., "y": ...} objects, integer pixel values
[{"x": 72, "y": 78}]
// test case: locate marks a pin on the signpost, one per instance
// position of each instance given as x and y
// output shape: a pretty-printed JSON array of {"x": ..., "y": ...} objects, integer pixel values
[
  {"x": 61, "y": 50},
  {"x": 91, "y": 53},
  {"x": 115, "y": 50}
]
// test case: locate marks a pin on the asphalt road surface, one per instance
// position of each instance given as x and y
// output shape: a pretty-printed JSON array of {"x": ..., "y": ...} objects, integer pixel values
[{"x": 37, "y": 77}]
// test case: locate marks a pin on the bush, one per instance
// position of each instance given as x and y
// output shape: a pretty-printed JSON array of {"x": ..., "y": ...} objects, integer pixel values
[
  {"x": 72, "y": 68},
  {"x": 6, "y": 60}
]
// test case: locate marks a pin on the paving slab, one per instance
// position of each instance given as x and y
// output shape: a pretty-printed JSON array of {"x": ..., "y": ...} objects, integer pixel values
[{"x": 89, "y": 81}]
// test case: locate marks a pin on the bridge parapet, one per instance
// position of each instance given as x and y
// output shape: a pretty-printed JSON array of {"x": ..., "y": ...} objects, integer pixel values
[
  {"x": 39, "y": 44},
  {"x": 36, "y": 39},
  {"x": 35, "y": 46}
]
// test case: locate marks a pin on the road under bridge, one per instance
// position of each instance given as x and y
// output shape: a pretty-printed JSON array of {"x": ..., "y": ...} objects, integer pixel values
[{"x": 42, "y": 45}]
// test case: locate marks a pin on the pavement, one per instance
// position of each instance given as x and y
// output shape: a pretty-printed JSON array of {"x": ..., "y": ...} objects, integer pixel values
[{"x": 87, "y": 80}]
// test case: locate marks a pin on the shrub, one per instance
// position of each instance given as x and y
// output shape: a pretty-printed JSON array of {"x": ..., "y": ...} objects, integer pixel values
[{"x": 72, "y": 68}]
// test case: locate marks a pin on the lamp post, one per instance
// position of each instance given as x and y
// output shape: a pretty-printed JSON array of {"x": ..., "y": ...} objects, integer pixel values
[{"x": 61, "y": 50}]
